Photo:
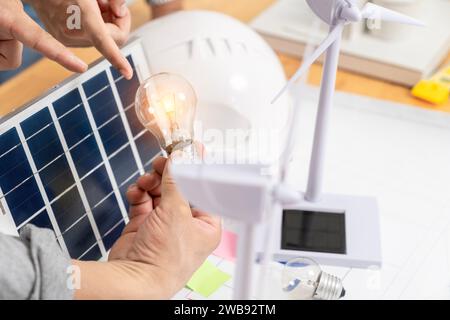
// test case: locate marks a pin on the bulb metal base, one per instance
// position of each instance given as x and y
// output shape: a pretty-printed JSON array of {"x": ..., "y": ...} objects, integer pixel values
[
  {"x": 329, "y": 288},
  {"x": 178, "y": 145}
]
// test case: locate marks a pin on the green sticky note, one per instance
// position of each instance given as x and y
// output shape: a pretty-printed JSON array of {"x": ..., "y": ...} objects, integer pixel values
[{"x": 207, "y": 279}]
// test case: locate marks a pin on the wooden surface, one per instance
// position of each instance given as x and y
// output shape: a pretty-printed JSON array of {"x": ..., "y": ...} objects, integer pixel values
[{"x": 45, "y": 74}]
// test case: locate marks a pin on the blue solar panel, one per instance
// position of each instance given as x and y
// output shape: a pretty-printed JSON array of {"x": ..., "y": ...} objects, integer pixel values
[
  {"x": 9, "y": 140},
  {"x": 111, "y": 237},
  {"x": 113, "y": 135},
  {"x": 24, "y": 201},
  {"x": 128, "y": 89},
  {"x": 67, "y": 102},
  {"x": 135, "y": 125},
  {"x": 57, "y": 177},
  {"x": 93, "y": 254},
  {"x": 14, "y": 169},
  {"x": 123, "y": 165},
  {"x": 67, "y": 161},
  {"x": 68, "y": 209},
  {"x": 86, "y": 156},
  {"x": 99, "y": 185},
  {"x": 124, "y": 187},
  {"x": 42, "y": 220},
  {"x": 80, "y": 237},
  {"x": 96, "y": 84},
  {"x": 104, "y": 106},
  {"x": 45, "y": 146},
  {"x": 107, "y": 214},
  {"x": 36, "y": 122},
  {"x": 148, "y": 166},
  {"x": 146, "y": 145},
  {"x": 75, "y": 126}
]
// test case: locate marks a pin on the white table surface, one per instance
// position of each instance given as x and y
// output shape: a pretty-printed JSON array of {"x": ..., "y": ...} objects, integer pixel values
[{"x": 401, "y": 155}]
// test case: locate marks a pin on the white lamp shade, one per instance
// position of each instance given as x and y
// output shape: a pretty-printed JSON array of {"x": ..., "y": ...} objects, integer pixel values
[{"x": 233, "y": 70}]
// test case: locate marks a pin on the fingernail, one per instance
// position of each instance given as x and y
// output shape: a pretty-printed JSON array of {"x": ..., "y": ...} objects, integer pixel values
[
  {"x": 80, "y": 63},
  {"x": 123, "y": 10},
  {"x": 128, "y": 73},
  {"x": 132, "y": 186}
]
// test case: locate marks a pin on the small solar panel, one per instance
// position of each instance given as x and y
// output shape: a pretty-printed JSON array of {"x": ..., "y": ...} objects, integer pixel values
[{"x": 67, "y": 159}]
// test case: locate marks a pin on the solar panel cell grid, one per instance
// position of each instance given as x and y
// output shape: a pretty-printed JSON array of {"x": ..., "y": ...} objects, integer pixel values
[
  {"x": 98, "y": 185},
  {"x": 124, "y": 187},
  {"x": 45, "y": 146},
  {"x": 80, "y": 237},
  {"x": 42, "y": 220},
  {"x": 24, "y": 201},
  {"x": 14, "y": 169},
  {"x": 128, "y": 89},
  {"x": 96, "y": 84},
  {"x": 67, "y": 102},
  {"x": 112, "y": 236},
  {"x": 83, "y": 196},
  {"x": 36, "y": 122},
  {"x": 135, "y": 125},
  {"x": 103, "y": 106},
  {"x": 75, "y": 126},
  {"x": 113, "y": 135},
  {"x": 93, "y": 254},
  {"x": 148, "y": 166},
  {"x": 123, "y": 165},
  {"x": 57, "y": 177},
  {"x": 86, "y": 156},
  {"x": 107, "y": 214},
  {"x": 68, "y": 209},
  {"x": 8, "y": 140},
  {"x": 148, "y": 146}
]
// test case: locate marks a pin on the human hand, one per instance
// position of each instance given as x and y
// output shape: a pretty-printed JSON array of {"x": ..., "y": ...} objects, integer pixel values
[
  {"x": 164, "y": 231},
  {"x": 104, "y": 24},
  {"x": 164, "y": 243},
  {"x": 18, "y": 29}
]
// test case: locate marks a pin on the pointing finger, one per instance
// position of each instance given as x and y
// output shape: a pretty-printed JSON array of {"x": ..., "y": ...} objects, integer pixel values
[{"x": 104, "y": 42}]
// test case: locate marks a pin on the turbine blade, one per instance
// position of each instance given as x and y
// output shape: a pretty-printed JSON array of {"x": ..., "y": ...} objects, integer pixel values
[
  {"x": 307, "y": 63},
  {"x": 373, "y": 11}
]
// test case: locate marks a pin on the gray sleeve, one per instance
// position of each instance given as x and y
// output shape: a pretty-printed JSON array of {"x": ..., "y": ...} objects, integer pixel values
[{"x": 33, "y": 266}]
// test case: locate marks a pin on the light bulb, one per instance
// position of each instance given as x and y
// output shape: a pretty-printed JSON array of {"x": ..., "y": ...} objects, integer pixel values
[
  {"x": 304, "y": 279},
  {"x": 166, "y": 105}
]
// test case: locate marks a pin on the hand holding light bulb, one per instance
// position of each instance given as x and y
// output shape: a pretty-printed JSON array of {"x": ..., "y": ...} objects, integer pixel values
[{"x": 166, "y": 105}]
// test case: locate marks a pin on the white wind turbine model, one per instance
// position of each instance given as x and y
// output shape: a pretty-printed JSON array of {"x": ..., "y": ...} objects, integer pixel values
[
  {"x": 339, "y": 230},
  {"x": 360, "y": 237}
]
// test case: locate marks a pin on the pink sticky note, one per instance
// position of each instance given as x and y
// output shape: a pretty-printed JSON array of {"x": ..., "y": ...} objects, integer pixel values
[{"x": 227, "y": 246}]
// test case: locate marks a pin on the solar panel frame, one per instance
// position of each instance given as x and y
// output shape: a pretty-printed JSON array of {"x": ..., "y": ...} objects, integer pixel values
[{"x": 15, "y": 120}]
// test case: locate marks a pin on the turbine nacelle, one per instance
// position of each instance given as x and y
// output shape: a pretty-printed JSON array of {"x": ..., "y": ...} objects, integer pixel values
[
  {"x": 351, "y": 13},
  {"x": 338, "y": 13}
]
